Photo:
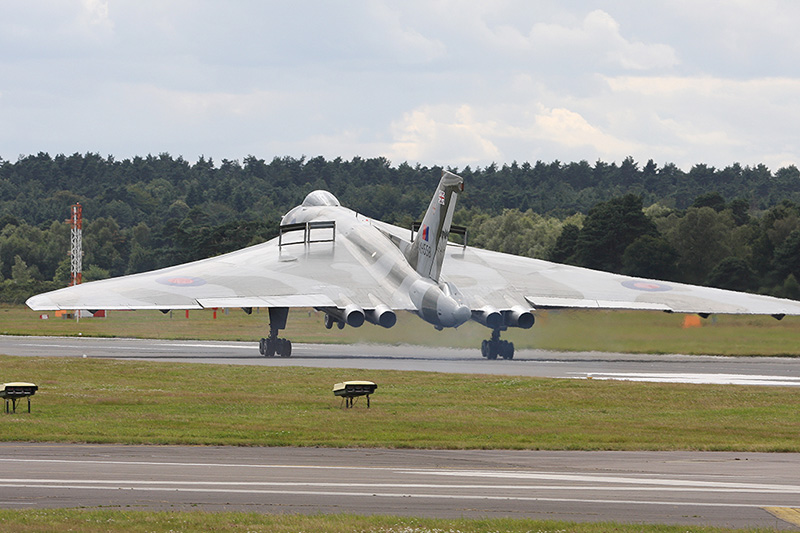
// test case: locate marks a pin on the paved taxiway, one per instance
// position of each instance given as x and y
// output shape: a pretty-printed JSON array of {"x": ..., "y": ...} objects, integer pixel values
[
  {"x": 598, "y": 365},
  {"x": 726, "y": 489}
]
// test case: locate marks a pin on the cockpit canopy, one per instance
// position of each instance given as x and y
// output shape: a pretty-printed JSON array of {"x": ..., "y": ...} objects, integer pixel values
[{"x": 320, "y": 198}]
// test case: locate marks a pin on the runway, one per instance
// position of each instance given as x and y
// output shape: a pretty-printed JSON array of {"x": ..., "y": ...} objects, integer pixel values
[
  {"x": 771, "y": 371},
  {"x": 724, "y": 489}
]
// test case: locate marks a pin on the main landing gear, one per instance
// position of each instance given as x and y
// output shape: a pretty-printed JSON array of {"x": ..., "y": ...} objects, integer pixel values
[
  {"x": 490, "y": 349},
  {"x": 273, "y": 345}
]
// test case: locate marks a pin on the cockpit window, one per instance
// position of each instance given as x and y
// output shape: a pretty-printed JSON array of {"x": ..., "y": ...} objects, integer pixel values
[{"x": 320, "y": 198}]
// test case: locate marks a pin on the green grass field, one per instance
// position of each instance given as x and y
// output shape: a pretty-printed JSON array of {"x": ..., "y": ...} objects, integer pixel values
[
  {"x": 624, "y": 331},
  {"x": 131, "y": 402},
  {"x": 111, "y": 521}
]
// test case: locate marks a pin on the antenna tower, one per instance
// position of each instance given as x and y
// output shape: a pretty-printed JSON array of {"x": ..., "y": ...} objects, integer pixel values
[{"x": 76, "y": 244}]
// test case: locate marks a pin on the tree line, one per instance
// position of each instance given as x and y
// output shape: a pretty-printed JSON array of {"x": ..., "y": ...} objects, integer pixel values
[{"x": 736, "y": 227}]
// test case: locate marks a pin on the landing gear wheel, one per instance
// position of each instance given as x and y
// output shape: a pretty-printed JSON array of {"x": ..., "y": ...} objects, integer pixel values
[
  {"x": 507, "y": 350},
  {"x": 485, "y": 348},
  {"x": 492, "y": 350},
  {"x": 266, "y": 347},
  {"x": 284, "y": 347}
]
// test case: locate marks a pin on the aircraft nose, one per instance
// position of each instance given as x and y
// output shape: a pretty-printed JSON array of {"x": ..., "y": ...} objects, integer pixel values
[
  {"x": 451, "y": 314},
  {"x": 462, "y": 314}
]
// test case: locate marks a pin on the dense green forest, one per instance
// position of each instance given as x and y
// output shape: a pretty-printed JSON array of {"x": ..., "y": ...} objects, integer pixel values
[{"x": 736, "y": 227}]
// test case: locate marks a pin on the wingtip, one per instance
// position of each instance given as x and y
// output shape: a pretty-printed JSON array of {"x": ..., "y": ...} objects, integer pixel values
[{"x": 40, "y": 302}]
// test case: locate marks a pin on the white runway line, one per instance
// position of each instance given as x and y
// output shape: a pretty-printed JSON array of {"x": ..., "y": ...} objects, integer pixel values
[
  {"x": 222, "y": 486},
  {"x": 372, "y": 494},
  {"x": 700, "y": 379}
]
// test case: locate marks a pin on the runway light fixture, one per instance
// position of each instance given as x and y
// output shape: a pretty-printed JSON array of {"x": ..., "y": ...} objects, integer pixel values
[
  {"x": 352, "y": 389},
  {"x": 16, "y": 391}
]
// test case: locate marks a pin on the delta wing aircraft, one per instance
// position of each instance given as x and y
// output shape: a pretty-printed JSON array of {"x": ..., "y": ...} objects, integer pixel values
[{"x": 355, "y": 269}]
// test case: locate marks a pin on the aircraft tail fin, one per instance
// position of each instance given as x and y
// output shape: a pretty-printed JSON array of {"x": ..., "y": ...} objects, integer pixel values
[{"x": 426, "y": 253}]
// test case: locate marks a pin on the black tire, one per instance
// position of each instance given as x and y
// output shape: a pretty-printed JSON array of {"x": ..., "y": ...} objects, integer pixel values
[
  {"x": 493, "y": 350},
  {"x": 286, "y": 349},
  {"x": 507, "y": 350}
]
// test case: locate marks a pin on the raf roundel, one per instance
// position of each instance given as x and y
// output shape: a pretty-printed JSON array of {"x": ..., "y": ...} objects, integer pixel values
[
  {"x": 182, "y": 281},
  {"x": 646, "y": 286}
]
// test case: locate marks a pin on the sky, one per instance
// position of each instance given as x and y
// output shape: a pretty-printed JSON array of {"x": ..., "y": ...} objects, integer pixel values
[{"x": 434, "y": 82}]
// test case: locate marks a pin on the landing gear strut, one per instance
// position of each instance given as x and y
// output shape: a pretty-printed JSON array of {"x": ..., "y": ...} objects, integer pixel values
[
  {"x": 273, "y": 345},
  {"x": 490, "y": 349},
  {"x": 330, "y": 321}
]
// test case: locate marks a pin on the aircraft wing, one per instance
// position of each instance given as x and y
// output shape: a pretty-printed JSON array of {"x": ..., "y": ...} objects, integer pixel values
[
  {"x": 336, "y": 275},
  {"x": 503, "y": 280},
  {"x": 324, "y": 274}
]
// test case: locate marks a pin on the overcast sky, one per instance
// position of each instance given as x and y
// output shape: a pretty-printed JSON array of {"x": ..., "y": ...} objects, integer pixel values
[{"x": 435, "y": 82}]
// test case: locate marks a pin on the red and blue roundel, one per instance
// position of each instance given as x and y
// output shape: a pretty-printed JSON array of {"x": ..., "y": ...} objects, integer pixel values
[
  {"x": 182, "y": 281},
  {"x": 646, "y": 285}
]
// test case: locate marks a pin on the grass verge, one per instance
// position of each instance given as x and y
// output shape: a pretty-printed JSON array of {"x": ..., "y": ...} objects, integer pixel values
[
  {"x": 129, "y": 402},
  {"x": 615, "y": 331},
  {"x": 56, "y": 520}
]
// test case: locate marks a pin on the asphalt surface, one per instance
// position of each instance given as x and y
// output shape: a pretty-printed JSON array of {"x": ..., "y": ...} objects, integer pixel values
[
  {"x": 774, "y": 371},
  {"x": 725, "y": 489}
]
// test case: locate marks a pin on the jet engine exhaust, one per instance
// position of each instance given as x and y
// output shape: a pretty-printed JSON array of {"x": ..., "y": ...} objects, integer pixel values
[
  {"x": 381, "y": 316},
  {"x": 488, "y": 316},
  {"x": 352, "y": 315},
  {"x": 518, "y": 317}
]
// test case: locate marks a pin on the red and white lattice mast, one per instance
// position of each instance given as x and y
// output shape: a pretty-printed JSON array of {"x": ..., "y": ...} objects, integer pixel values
[{"x": 76, "y": 244}]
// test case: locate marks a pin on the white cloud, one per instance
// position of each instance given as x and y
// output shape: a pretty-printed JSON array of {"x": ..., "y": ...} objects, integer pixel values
[
  {"x": 95, "y": 15},
  {"x": 195, "y": 107},
  {"x": 598, "y": 38},
  {"x": 407, "y": 44},
  {"x": 429, "y": 133},
  {"x": 572, "y": 130},
  {"x": 715, "y": 120}
]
